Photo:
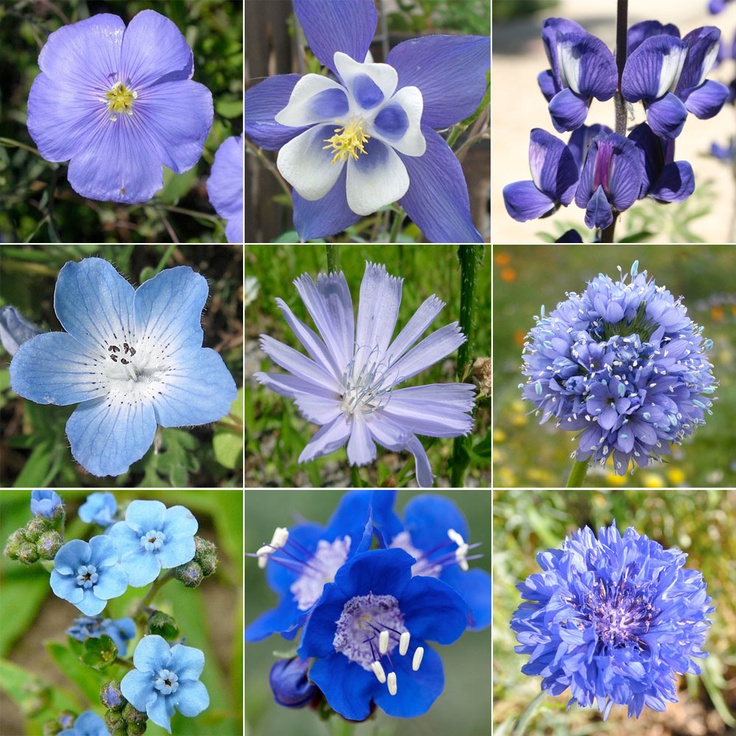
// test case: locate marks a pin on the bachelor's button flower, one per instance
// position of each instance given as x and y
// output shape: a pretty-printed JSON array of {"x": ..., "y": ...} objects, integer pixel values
[
  {"x": 347, "y": 383},
  {"x": 87, "y": 724},
  {"x": 153, "y": 538},
  {"x": 225, "y": 187},
  {"x": 120, "y": 103},
  {"x": 15, "y": 329},
  {"x": 290, "y": 683},
  {"x": 165, "y": 679},
  {"x": 99, "y": 508},
  {"x": 614, "y": 619},
  {"x": 45, "y": 503},
  {"x": 368, "y": 633},
  {"x": 354, "y": 143},
  {"x": 120, "y": 630},
  {"x": 131, "y": 359},
  {"x": 88, "y": 574},
  {"x": 624, "y": 366}
]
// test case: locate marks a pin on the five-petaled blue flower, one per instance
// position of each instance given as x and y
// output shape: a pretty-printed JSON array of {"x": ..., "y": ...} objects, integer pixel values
[
  {"x": 368, "y": 631},
  {"x": 364, "y": 138},
  {"x": 46, "y": 503},
  {"x": 165, "y": 679},
  {"x": 88, "y": 574},
  {"x": 131, "y": 359},
  {"x": 120, "y": 103},
  {"x": 153, "y": 537},
  {"x": 614, "y": 619},
  {"x": 120, "y": 630},
  {"x": 99, "y": 508},
  {"x": 225, "y": 187},
  {"x": 624, "y": 366},
  {"x": 87, "y": 724},
  {"x": 347, "y": 383}
]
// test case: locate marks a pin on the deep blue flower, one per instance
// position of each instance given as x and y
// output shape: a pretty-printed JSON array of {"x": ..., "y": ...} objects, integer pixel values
[
  {"x": 99, "y": 508},
  {"x": 717, "y": 6},
  {"x": 582, "y": 137},
  {"x": 614, "y": 619},
  {"x": 166, "y": 679},
  {"x": 131, "y": 359},
  {"x": 153, "y": 538},
  {"x": 290, "y": 683},
  {"x": 724, "y": 153},
  {"x": 225, "y": 186},
  {"x": 368, "y": 633},
  {"x": 570, "y": 236},
  {"x": 377, "y": 121},
  {"x": 624, "y": 366},
  {"x": 88, "y": 574},
  {"x": 120, "y": 630},
  {"x": 15, "y": 329},
  {"x": 46, "y": 503},
  {"x": 87, "y": 724},
  {"x": 120, "y": 103}
]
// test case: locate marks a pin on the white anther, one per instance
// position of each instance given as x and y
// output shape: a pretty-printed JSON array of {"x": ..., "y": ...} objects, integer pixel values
[
  {"x": 383, "y": 642},
  {"x": 455, "y": 537},
  {"x": 392, "y": 683},
  {"x": 378, "y": 671},
  {"x": 404, "y": 643},
  {"x": 418, "y": 654},
  {"x": 263, "y": 554},
  {"x": 280, "y": 537},
  {"x": 462, "y": 549}
]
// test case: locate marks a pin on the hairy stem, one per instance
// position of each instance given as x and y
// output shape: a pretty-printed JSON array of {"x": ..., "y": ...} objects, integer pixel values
[
  {"x": 528, "y": 713},
  {"x": 333, "y": 259},
  {"x": 156, "y": 585},
  {"x": 577, "y": 474}
]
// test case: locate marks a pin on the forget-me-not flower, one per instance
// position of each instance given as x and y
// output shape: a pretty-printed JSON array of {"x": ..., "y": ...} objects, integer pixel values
[
  {"x": 45, "y": 503},
  {"x": 119, "y": 104},
  {"x": 120, "y": 630},
  {"x": 132, "y": 360},
  {"x": 347, "y": 384},
  {"x": 225, "y": 186},
  {"x": 15, "y": 329},
  {"x": 364, "y": 136},
  {"x": 87, "y": 724},
  {"x": 99, "y": 508}
]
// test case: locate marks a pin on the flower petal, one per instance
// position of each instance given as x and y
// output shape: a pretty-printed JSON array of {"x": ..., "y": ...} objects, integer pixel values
[
  {"x": 399, "y": 123},
  {"x": 152, "y": 653},
  {"x": 314, "y": 99},
  {"x": 640, "y": 31},
  {"x": 136, "y": 687},
  {"x": 598, "y": 212},
  {"x": 707, "y": 100},
  {"x": 433, "y": 348},
  {"x": 298, "y": 364},
  {"x": 348, "y": 686},
  {"x": 369, "y": 84},
  {"x": 292, "y": 386},
  {"x": 361, "y": 447},
  {"x": 553, "y": 167},
  {"x": 263, "y": 102},
  {"x": 525, "y": 202},
  {"x": 654, "y": 68},
  {"x": 433, "y": 610},
  {"x": 225, "y": 185},
  {"x": 192, "y": 698},
  {"x": 666, "y": 117},
  {"x": 427, "y": 519},
  {"x": 587, "y": 65},
  {"x": 187, "y": 662},
  {"x": 702, "y": 51},
  {"x": 675, "y": 184},
  {"x": 413, "y": 329},
  {"x": 328, "y": 438},
  {"x": 474, "y": 587},
  {"x": 160, "y": 710},
  {"x": 568, "y": 110},
  {"x": 422, "y": 468},
  {"x": 112, "y": 583},
  {"x": 378, "y": 309},
  {"x": 375, "y": 179}
]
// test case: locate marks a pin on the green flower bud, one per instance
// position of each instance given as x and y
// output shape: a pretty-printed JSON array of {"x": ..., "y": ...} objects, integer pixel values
[
  {"x": 52, "y": 728},
  {"x": 114, "y": 719},
  {"x": 36, "y": 527},
  {"x": 131, "y": 715},
  {"x": 189, "y": 574},
  {"x": 164, "y": 625},
  {"x": 206, "y": 555},
  {"x": 12, "y": 546},
  {"x": 49, "y": 544},
  {"x": 136, "y": 729},
  {"x": 112, "y": 697},
  {"x": 27, "y": 553}
]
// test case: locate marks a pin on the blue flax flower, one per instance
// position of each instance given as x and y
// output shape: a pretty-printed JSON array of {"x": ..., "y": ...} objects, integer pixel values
[
  {"x": 120, "y": 630},
  {"x": 614, "y": 619},
  {"x": 45, "y": 503},
  {"x": 166, "y": 679},
  {"x": 347, "y": 385},
  {"x": 368, "y": 633},
  {"x": 225, "y": 187},
  {"x": 88, "y": 574},
  {"x": 120, "y": 103},
  {"x": 152, "y": 538},
  {"x": 15, "y": 329},
  {"x": 131, "y": 359},
  {"x": 624, "y": 366},
  {"x": 99, "y": 508},
  {"x": 87, "y": 724},
  {"x": 364, "y": 138}
]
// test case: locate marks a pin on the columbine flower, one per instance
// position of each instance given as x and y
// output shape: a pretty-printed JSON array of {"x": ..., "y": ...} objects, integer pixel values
[
  {"x": 290, "y": 683},
  {"x": 624, "y": 366},
  {"x": 15, "y": 329},
  {"x": 46, "y": 503},
  {"x": 120, "y": 103},
  {"x": 131, "y": 359},
  {"x": 614, "y": 619},
  {"x": 87, "y": 724},
  {"x": 151, "y": 538},
  {"x": 347, "y": 384},
  {"x": 88, "y": 574},
  {"x": 225, "y": 187},
  {"x": 166, "y": 679},
  {"x": 368, "y": 633},
  {"x": 353, "y": 144},
  {"x": 120, "y": 630},
  {"x": 99, "y": 508}
]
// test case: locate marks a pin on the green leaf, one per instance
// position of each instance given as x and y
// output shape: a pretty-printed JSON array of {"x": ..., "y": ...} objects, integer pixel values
[
  {"x": 227, "y": 442},
  {"x": 37, "y": 467},
  {"x": 229, "y": 108},
  {"x": 22, "y": 594},
  {"x": 177, "y": 185},
  {"x": 34, "y": 696}
]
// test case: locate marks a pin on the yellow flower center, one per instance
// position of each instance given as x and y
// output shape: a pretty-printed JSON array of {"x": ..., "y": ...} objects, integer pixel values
[
  {"x": 349, "y": 140},
  {"x": 120, "y": 99}
]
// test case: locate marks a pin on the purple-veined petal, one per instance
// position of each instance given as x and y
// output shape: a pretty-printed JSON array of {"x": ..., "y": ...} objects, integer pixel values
[
  {"x": 293, "y": 386},
  {"x": 581, "y": 139},
  {"x": 319, "y": 409},
  {"x": 297, "y": 363},
  {"x": 675, "y": 183},
  {"x": 361, "y": 447},
  {"x": 641, "y": 31},
  {"x": 547, "y": 84},
  {"x": 552, "y": 30},
  {"x": 369, "y": 84},
  {"x": 433, "y": 348},
  {"x": 626, "y": 173},
  {"x": 568, "y": 110},
  {"x": 587, "y": 66},
  {"x": 413, "y": 329},
  {"x": 666, "y": 117},
  {"x": 707, "y": 100},
  {"x": 327, "y": 439},
  {"x": 314, "y": 99},
  {"x": 552, "y": 165},
  {"x": 262, "y": 103},
  {"x": 598, "y": 212},
  {"x": 378, "y": 309},
  {"x": 654, "y": 68},
  {"x": 702, "y": 44},
  {"x": 399, "y": 123},
  {"x": 525, "y": 202}
]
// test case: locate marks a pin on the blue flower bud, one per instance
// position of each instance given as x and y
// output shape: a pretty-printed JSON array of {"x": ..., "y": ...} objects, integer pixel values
[
  {"x": 15, "y": 329},
  {"x": 290, "y": 684},
  {"x": 46, "y": 503}
]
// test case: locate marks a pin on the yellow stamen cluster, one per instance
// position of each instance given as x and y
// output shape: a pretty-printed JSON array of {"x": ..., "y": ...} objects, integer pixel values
[
  {"x": 348, "y": 140},
  {"x": 120, "y": 99}
]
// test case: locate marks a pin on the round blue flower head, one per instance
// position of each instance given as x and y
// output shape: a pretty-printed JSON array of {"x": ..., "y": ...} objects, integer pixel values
[
  {"x": 45, "y": 503},
  {"x": 120, "y": 630},
  {"x": 624, "y": 366},
  {"x": 225, "y": 187},
  {"x": 99, "y": 508},
  {"x": 87, "y": 724},
  {"x": 368, "y": 633},
  {"x": 88, "y": 574},
  {"x": 614, "y": 619},
  {"x": 153, "y": 537},
  {"x": 165, "y": 679}
]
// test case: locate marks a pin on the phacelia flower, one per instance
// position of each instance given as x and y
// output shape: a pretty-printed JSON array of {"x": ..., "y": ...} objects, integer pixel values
[
  {"x": 132, "y": 359},
  {"x": 46, "y": 503},
  {"x": 153, "y": 538},
  {"x": 347, "y": 385},
  {"x": 120, "y": 630},
  {"x": 368, "y": 634},
  {"x": 365, "y": 138},
  {"x": 88, "y": 574},
  {"x": 225, "y": 187},
  {"x": 166, "y": 679},
  {"x": 99, "y": 508},
  {"x": 119, "y": 104},
  {"x": 15, "y": 329},
  {"x": 624, "y": 366},
  {"x": 614, "y": 619},
  {"x": 87, "y": 724},
  {"x": 290, "y": 683}
]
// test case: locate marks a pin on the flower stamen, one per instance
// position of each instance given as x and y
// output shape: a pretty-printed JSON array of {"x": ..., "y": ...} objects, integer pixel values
[
  {"x": 119, "y": 99},
  {"x": 349, "y": 140}
]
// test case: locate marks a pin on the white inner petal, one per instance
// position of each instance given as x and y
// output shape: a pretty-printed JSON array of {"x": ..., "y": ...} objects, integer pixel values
[
  {"x": 669, "y": 74},
  {"x": 569, "y": 66}
]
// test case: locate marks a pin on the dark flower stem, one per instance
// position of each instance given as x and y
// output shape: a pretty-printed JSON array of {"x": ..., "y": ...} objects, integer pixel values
[
  {"x": 577, "y": 474},
  {"x": 333, "y": 259}
]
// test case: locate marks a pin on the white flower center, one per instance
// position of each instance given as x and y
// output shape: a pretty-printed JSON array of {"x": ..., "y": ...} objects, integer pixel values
[
  {"x": 87, "y": 576},
  {"x": 166, "y": 682},
  {"x": 320, "y": 570},
  {"x": 153, "y": 540},
  {"x": 366, "y": 383}
]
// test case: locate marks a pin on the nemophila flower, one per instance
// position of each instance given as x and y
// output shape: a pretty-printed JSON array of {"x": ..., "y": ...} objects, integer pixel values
[
  {"x": 624, "y": 366},
  {"x": 225, "y": 186},
  {"x": 46, "y": 503},
  {"x": 582, "y": 67},
  {"x": 364, "y": 138},
  {"x": 368, "y": 635},
  {"x": 614, "y": 619},
  {"x": 301, "y": 560},
  {"x": 290, "y": 683},
  {"x": 99, "y": 508},
  {"x": 131, "y": 359},
  {"x": 88, "y": 574},
  {"x": 347, "y": 385},
  {"x": 119, "y": 104},
  {"x": 120, "y": 630},
  {"x": 15, "y": 329},
  {"x": 87, "y": 724},
  {"x": 153, "y": 538},
  {"x": 166, "y": 679}
]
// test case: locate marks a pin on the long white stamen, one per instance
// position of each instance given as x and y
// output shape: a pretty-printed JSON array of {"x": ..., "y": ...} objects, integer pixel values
[
  {"x": 262, "y": 555},
  {"x": 280, "y": 537},
  {"x": 383, "y": 642},
  {"x": 404, "y": 643},
  {"x": 462, "y": 549},
  {"x": 392, "y": 683},
  {"x": 377, "y": 668},
  {"x": 418, "y": 654}
]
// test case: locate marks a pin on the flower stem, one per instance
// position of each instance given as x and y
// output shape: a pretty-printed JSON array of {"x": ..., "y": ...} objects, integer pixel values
[
  {"x": 340, "y": 727},
  {"x": 156, "y": 585},
  {"x": 577, "y": 474},
  {"x": 527, "y": 715},
  {"x": 396, "y": 225},
  {"x": 355, "y": 479},
  {"x": 333, "y": 259}
]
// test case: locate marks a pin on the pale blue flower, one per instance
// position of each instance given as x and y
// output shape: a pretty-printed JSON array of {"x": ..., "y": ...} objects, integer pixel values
[
  {"x": 99, "y": 508},
  {"x": 45, "y": 503},
  {"x": 87, "y": 724}
]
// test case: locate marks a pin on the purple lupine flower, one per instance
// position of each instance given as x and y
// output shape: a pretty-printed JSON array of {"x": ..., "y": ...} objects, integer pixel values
[
  {"x": 610, "y": 180},
  {"x": 554, "y": 179},
  {"x": 354, "y": 143},
  {"x": 582, "y": 67},
  {"x": 347, "y": 385},
  {"x": 581, "y": 139},
  {"x": 614, "y": 619},
  {"x": 119, "y": 104},
  {"x": 624, "y": 367},
  {"x": 225, "y": 187}
]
